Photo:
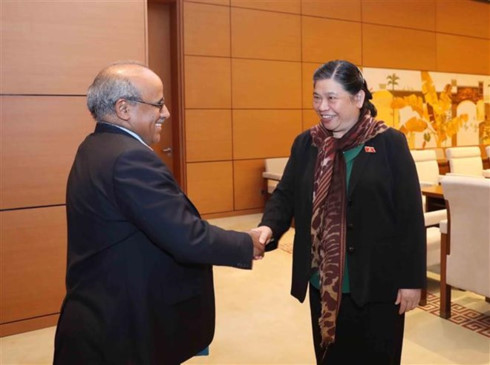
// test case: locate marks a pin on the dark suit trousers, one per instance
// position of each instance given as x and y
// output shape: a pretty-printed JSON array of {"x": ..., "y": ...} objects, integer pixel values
[{"x": 371, "y": 334}]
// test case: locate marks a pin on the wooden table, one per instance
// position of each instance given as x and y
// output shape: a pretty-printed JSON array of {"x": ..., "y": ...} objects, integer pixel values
[{"x": 434, "y": 198}]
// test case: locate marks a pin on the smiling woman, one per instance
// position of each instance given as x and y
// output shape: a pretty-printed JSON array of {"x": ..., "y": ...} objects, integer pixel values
[
  {"x": 351, "y": 186},
  {"x": 338, "y": 110}
]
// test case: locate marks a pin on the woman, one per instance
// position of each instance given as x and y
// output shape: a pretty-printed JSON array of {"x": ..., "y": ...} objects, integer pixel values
[{"x": 352, "y": 188}]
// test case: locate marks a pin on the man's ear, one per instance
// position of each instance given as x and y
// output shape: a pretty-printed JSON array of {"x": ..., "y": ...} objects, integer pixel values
[
  {"x": 359, "y": 98},
  {"x": 122, "y": 108}
]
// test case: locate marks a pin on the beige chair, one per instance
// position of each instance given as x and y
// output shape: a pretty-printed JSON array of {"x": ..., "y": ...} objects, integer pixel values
[
  {"x": 274, "y": 167},
  {"x": 466, "y": 161},
  {"x": 427, "y": 166},
  {"x": 428, "y": 174},
  {"x": 467, "y": 248}
]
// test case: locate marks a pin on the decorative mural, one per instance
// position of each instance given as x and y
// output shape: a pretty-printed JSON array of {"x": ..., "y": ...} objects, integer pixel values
[{"x": 433, "y": 109}]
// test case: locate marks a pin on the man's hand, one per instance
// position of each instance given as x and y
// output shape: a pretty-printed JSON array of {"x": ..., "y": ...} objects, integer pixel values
[
  {"x": 258, "y": 247},
  {"x": 408, "y": 299}
]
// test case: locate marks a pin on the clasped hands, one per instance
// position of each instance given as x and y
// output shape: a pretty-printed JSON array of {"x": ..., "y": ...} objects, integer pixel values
[{"x": 261, "y": 236}]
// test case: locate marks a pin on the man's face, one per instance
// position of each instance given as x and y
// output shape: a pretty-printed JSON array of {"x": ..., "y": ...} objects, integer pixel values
[{"x": 147, "y": 119}]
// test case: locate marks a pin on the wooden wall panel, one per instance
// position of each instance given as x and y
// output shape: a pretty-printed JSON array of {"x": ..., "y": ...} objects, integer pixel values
[
  {"x": 249, "y": 184},
  {"x": 335, "y": 9},
  {"x": 264, "y": 133},
  {"x": 398, "y": 48},
  {"x": 32, "y": 262},
  {"x": 266, "y": 84},
  {"x": 57, "y": 47},
  {"x": 279, "y": 34},
  {"x": 310, "y": 118},
  {"x": 40, "y": 136},
  {"x": 463, "y": 17},
  {"x": 208, "y": 135},
  {"x": 210, "y": 186},
  {"x": 207, "y": 82},
  {"x": 325, "y": 40},
  {"x": 261, "y": 74},
  {"x": 463, "y": 54},
  {"x": 415, "y": 14},
  {"x": 206, "y": 30},
  {"x": 285, "y": 6},
  {"x": 308, "y": 69}
]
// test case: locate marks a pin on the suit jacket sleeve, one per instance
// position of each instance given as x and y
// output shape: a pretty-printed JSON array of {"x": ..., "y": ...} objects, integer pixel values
[{"x": 148, "y": 195}]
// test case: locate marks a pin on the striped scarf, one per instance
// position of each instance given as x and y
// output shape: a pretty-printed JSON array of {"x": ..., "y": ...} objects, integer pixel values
[{"x": 328, "y": 224}]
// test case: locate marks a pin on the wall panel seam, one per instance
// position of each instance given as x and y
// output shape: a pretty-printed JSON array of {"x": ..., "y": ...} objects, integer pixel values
[
  {"x": 265, "y": 10},
  {"x": 33, "y": 207},
  {"x": 201, "y": 3},
  {"x": 47, "y": 95},
  {"x": 251, "y": 108},
  {"x": 30, "y": 318}
]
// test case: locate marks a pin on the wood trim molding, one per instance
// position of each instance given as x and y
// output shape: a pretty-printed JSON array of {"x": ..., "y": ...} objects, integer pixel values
[{"x": 177, "y": 65}]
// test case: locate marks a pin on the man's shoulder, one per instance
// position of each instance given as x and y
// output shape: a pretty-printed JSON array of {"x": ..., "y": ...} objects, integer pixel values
[
  {"x": 115, "y": 141},
  {"x": 110, "y": 149}
]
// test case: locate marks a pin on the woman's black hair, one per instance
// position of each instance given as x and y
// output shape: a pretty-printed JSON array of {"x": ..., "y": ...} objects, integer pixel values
[{"x": 350, "y": 77}]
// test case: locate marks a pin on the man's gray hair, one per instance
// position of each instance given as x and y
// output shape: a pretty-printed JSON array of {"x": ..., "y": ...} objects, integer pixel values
[{"x": 108, "y": 87}]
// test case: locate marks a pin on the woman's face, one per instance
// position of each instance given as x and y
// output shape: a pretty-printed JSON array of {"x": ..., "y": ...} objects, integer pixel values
[{"x": 338, "y": 110}]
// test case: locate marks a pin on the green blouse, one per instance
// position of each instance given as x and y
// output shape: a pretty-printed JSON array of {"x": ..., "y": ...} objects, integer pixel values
[{"x": 349, "y": 157}]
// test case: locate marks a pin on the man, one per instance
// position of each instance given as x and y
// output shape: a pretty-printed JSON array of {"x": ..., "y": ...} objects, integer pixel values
[{"x": 139, "y": 277}]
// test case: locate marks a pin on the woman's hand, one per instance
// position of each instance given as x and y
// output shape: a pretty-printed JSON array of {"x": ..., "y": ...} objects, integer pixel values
[
  {"x": 265, "y": 234},
  {"x": 408, "y": 299}
]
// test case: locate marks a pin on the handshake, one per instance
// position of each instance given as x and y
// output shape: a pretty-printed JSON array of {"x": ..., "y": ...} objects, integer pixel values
[{"x": 261, "y": 236}]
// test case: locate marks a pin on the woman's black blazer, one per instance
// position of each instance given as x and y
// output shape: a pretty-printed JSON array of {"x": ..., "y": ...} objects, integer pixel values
[{"x": 386, "y": 240}]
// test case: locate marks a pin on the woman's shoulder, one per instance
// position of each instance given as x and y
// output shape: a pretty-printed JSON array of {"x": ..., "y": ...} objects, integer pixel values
[
  {"x": 393, "y": 141},
  {"x": 390, "y": 132},
  {"x": 390, "y": 135},
  {"x": 303, "y": 138}
]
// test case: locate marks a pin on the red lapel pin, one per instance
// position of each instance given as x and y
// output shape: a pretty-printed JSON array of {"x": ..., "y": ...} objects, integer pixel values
[{"x": 369, "y": 149}]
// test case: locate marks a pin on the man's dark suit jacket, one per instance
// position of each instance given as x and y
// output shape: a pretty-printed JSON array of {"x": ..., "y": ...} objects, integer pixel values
[
  {"x": 385, "y": 242},
  {"x": 139, "y": 277}
]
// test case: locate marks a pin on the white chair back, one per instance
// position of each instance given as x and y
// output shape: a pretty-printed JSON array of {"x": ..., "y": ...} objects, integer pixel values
[
  {"x": 468, "y": 264},
  {"x": 274, "y": 168},
  {"x": 427, "y": 167},
  {"x": 465, "y": 160}
]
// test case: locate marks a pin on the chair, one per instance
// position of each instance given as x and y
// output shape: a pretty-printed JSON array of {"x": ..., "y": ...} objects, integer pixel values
[
  {"x": 274, "y": 167},
  {"x": 487, "y": 150},
  {"x": 467, "y": 244},
  {"x": 466, "y": 161},
  {"x": 427, "y": 171},
  {"x": 427, "y": 166},
  {"x": 428, "y": 174}
]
